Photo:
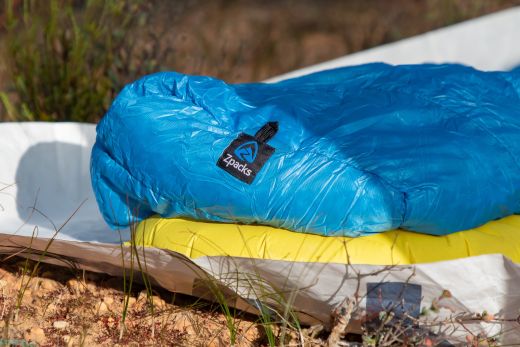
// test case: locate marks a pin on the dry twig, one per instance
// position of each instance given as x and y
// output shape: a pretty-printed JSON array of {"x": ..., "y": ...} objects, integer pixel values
[{"x": 341, "y": 317}]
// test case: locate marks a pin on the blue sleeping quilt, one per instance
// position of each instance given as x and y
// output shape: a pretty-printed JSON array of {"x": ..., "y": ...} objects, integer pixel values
[{"x": 351, "y": 151}]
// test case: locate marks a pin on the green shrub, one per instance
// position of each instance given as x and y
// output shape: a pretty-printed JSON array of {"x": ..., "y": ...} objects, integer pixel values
[{"x": 69, "y": 58}]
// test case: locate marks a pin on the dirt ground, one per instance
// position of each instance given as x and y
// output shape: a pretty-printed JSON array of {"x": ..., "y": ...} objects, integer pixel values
[{"x": 60, "y": 306}]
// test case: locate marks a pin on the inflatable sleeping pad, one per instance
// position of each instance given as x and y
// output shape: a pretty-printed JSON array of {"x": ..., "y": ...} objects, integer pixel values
[
  {"x": 353, "y": 151},
  {"x": 195, "y": 239}
]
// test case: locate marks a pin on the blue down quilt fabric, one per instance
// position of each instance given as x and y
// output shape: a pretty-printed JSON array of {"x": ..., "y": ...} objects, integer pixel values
[{"x": 351, "y": 151}]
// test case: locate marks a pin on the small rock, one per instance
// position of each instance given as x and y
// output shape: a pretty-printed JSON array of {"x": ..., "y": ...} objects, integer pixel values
[
  {"x": 216, "y": 342},
  {"x": 111, "y": 322},
  {"x": 35, "y": 335},
  {"x": 143, "y": 296},
  {"x": 131, "y": 301},
  {"x": 102, "y": 307},
  {"x": 25, "y": 282},
  {"x": 60, "y": 324},
  {"x": 92, "y": 287},
  {"x": 108, "y": 300},
  {"x": 28, "y": 297},
  {"x": 251, "y": 334},
  {"x": 158, "y": 302},
  {"x": 182, "y": 323},
  {"x": 76, "y": 286},
  {"x": 6, "y": 275},
  {"x": 49, "y": 285}
]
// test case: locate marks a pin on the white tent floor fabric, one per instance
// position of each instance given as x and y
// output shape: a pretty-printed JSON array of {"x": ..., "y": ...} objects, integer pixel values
[{"x": 45, "y": 194}]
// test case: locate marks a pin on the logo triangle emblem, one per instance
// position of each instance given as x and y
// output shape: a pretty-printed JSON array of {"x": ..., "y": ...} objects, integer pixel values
[{"x": 247, "y": 151}]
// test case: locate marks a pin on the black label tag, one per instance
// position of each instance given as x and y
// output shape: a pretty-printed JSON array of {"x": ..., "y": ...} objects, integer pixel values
[{"x": 247, "y": 154}]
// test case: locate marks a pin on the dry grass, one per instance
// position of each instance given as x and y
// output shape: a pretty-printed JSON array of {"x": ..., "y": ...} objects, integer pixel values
[
  {"x": 245, "y": 40},
  {"x": 66, "y": 307}
]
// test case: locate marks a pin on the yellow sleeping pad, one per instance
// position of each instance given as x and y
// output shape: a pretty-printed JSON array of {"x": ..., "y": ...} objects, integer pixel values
[{"x": 397, "y": 247}]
